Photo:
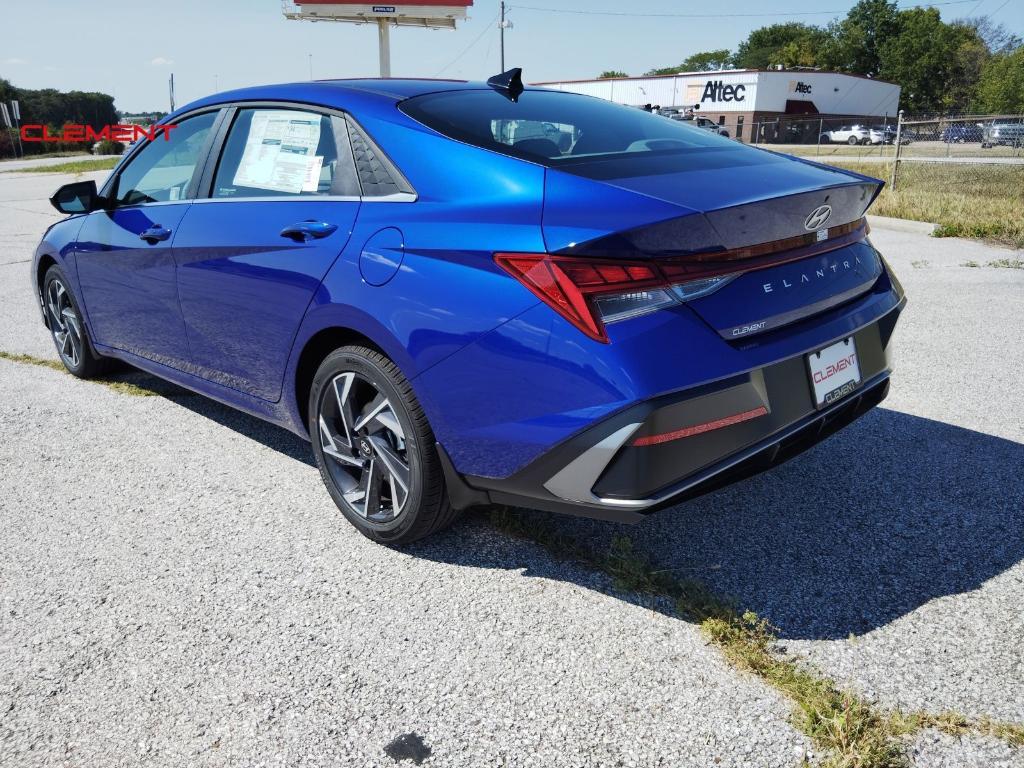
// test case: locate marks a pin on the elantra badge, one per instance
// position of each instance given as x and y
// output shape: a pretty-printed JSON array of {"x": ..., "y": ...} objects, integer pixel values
[{"x": 817, "y": 217}]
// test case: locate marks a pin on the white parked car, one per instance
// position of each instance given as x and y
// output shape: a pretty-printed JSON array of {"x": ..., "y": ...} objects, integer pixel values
[{"x": 853, "y": 134}]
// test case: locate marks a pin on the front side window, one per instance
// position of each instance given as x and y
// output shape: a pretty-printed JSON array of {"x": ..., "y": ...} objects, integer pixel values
[
  {"x": 285, "y": 153},
  {"x": 563, "y": 130},
  {"x": 162, "y": 170}
]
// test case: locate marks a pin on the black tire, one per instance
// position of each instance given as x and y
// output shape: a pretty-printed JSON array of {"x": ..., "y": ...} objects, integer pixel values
[
  {"x": 852, "y": 141},
  {"x": 68, "y": 331},
  {"x": 424, "y": 508}
]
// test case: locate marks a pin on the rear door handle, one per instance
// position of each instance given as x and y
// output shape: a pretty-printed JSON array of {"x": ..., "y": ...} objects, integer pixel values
[
  {"x": 309, "y": 230},
  {"x": 155, "y": 234}
]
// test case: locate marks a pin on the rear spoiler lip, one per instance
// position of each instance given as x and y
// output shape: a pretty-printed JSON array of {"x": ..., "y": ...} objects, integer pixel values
[{"x": 880, "y": 183}]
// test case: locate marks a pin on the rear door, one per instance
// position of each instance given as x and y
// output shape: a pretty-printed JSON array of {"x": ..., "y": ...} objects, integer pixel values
[{"x": 283, "y": 197}]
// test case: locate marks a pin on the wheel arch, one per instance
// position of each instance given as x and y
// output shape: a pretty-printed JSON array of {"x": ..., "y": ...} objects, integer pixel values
[
  {"x": 313, "y": 352},
  {"x": 43, "y": 265}
]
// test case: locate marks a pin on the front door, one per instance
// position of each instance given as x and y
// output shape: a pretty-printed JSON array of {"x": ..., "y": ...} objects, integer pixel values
[
  {"x": 125, "y": 264},
  {"x": 250, "y": 257}
]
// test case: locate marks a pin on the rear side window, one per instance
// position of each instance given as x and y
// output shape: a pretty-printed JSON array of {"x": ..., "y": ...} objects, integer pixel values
[
  {"x": 378, "y": 176},
  {"x": 284, "y": 153},
  {"x": 560, "y": 129}
]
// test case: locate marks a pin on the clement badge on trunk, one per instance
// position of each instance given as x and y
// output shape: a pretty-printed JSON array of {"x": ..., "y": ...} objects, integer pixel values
[{"x": 817, "y": 217}]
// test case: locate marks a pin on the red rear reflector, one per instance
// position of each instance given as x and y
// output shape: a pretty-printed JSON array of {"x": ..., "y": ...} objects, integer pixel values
[{"x": 698, "y": 429}]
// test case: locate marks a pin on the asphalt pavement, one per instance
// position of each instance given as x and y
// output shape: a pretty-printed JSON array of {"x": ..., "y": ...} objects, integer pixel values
[{"x": 176, "y": 587}]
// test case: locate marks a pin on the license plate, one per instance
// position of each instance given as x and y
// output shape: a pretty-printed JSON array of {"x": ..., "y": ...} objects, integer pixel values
[{"x": 835, "y": 372}]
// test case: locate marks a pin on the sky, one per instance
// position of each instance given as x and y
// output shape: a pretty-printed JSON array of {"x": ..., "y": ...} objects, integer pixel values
[{"x": 130, "y": 49}]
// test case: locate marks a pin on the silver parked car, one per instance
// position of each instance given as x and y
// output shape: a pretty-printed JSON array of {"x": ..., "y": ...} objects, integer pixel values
[
  {"x": 1004, "y": 133},
  {"x": 707, "y": 124}
]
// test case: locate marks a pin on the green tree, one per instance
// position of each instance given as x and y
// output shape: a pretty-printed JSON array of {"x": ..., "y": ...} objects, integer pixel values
[
  {"x": 55, "y": 109},
  {"x": 1001, "y": 87},
  {"x": 703, "y": 61},
  {"x": 922, "y": 58},
  {"x": 791, "y": 44},
  {"x": 970, "y": 54},
  {"x": 855, "y": 44},
  {"x": 707, "y": 61},
  {"x": 611, "y": 73}
]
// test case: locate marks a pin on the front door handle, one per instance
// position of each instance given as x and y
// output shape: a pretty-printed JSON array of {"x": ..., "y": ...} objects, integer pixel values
[
  {"x": 155, "y": 234},
  {"x": 308, "y": 230}
]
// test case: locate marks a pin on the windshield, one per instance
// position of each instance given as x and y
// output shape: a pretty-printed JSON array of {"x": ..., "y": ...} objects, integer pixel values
[{"x": 562, "y": 129}]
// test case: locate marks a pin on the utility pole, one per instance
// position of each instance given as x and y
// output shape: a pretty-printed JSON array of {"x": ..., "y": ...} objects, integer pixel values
[
  {"x": 171, "y": 89},
  {"x": 310, "y": 65},
  {"x": 503, "y": 25}
]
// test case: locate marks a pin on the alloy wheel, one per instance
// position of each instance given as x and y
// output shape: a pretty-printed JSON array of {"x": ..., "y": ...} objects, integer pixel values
[
  {"x": 64, "y": 324},
  {"x": 365, "y": 448}
]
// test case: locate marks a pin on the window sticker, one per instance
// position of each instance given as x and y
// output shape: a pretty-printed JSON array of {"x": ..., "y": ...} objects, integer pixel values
[
  {"x": 312, "y": 181},
  {"x": 279, "y": 151}
]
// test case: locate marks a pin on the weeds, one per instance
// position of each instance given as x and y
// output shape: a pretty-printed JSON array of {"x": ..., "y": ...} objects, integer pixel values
[
  {"x": 116, "y": 384},
  {"x": 997, "y": 264},
  {"x": 981, "y": 202},
  {"x": 848, "y": 729}
]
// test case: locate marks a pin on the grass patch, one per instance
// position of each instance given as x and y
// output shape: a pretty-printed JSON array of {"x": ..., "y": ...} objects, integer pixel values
[
  {"x": 996, "y": 264},
  {"x": 41, "y": 155},
  {"x": 978, "y": 201},
  {"x": 74, "y": 166},
  {"x": 32, "y": 360},
  {"x": 119, "y": 385},
  {"x": 847, "y": 729}
]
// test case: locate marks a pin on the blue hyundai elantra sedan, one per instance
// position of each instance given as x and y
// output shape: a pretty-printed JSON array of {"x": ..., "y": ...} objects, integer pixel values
[{"x": 469, "y": 293}]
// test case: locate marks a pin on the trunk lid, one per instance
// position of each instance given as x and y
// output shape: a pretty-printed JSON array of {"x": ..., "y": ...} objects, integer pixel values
[{"x": 735, "y": 200}]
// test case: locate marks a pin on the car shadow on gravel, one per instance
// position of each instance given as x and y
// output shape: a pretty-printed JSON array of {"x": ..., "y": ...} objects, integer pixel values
[{"x": 888, "y": 514}]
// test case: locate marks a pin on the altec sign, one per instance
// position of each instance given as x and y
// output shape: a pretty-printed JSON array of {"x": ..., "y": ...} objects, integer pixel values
[
  {"x": 716, "y": 91},
  {"x": 72, "y": 132}
]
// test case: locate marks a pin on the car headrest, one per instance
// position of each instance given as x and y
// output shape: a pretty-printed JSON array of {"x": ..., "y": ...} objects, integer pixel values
[{"x": 540, "y": 147}]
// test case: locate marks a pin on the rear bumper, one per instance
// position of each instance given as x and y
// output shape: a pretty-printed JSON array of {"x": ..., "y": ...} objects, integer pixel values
[{"x": 602, "y": 473}]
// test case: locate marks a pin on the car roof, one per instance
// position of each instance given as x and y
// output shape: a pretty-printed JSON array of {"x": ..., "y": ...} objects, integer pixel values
[{"x": 363, "y": 92}]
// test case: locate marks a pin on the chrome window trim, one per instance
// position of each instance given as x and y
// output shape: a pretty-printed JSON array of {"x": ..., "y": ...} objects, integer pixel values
[
  {"x": 398, "y": 197},
  {"x": 281, "y": 199}
]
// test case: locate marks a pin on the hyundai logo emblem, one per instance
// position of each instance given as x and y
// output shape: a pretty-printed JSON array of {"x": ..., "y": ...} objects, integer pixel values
[{"x": 817, "y": 217}]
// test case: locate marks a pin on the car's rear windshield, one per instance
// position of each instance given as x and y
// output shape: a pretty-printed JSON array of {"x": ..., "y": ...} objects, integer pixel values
[{"x": 566, "y": 130}]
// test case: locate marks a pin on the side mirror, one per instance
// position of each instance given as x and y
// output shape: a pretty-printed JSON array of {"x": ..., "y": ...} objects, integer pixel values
[{"x": 78, "y": 197}]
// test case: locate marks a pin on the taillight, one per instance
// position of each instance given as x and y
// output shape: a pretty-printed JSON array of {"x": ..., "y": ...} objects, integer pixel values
[{"x": 591, "y": 292}]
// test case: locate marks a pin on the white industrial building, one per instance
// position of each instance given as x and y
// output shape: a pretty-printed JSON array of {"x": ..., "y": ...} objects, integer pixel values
[{"x": 741, "y": 98}]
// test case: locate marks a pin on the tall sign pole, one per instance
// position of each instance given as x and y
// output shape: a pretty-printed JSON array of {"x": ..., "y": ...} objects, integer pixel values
[
  {"x": 384, "y": 38},
  {"x": 425, "y": 14}
]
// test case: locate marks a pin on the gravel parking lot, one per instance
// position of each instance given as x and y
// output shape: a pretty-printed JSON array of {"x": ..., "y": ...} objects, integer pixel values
[{"x": 176, "y": 587}]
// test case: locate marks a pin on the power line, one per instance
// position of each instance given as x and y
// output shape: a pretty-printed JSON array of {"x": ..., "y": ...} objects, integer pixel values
[
  {"x": 465, "y": 50},
  {"x": 716, "y": 15},
  {"x": 997, "y": 10}
]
